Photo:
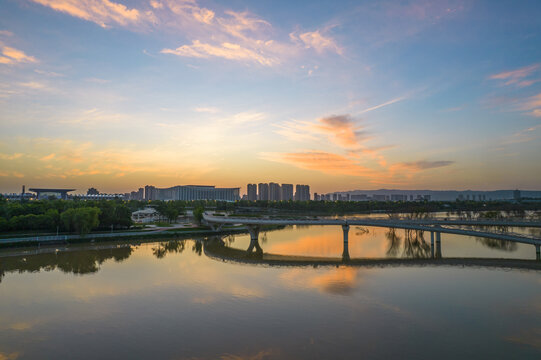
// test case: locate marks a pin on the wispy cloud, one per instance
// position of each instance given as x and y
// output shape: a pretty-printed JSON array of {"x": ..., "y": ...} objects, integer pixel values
[
  {"x": 387, "y": 103},
  {"x": 206, "y": 109},
  {"x": 11, "y": 55},
  {"x": 519, "y": 137},
  {"x": 530, "y": 105},
  {"x": 421, "y": 165},
  {"x": 342, "y": 130},
  {"x": 519, "y": 77},
  {"x": 336, "y": 164},
  {"x": 102, "y": 12},
  {"x": 325, "y": 162},
  {"x": 225, "y": 50},
  {"x": 231, "y": 35},
  {"x": 316, "y": 40}
]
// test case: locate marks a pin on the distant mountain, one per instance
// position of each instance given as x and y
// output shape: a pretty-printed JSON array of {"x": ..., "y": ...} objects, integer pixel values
[{"x": 447, "y": 195}]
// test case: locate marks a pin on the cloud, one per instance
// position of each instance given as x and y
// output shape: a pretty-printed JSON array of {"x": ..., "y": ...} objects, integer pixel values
[
  {"x": 522, "y": 136},
  {"x": 342, "y": 130},
  {"x": 32, "y": 85},
  {"x": 232, "y": 35},
  {"x": 102, "y": 12},
  {"x": 317, "y": 41},
  {"x": 225, "y": 50},
  {"x": 395, "y": 100},
  {"x": 517, "y": 76},
  {"x": 416, "y": 166},
  {"x": 48, "y": 73},
  {"x": 10, "y": 156},
  {"x": 13, "y": 56},
  {"x": 206, "y": 109},
  {"x": 236, "y": 36},
  {"x": 531, "y": 105},
  {"x": 329, "y": 163}
]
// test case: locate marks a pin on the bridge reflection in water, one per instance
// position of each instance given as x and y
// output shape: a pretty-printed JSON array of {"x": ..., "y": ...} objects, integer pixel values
[{"x": 416, "y": 250}]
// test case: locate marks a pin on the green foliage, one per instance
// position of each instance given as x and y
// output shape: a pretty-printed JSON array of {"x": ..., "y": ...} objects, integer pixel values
[
  {"x": 81, "y": 220},
  {"x": 113, "y": 214},
  {"x": 198, "y": 214}
]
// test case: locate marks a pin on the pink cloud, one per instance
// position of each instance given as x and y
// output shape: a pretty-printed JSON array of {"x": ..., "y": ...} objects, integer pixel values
[
  {"x": 517, "y": 76},
  {"x": 317, "y": 41}
]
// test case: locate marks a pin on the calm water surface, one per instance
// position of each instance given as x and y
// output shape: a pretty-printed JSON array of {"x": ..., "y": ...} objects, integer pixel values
[{"x": 169, "y": 300}]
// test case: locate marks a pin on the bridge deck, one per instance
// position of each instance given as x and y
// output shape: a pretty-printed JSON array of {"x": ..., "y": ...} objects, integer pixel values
[{"x": 440, "y": 226}]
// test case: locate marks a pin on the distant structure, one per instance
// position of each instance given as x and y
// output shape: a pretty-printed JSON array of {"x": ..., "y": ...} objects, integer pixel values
[
  {"x": 516, "y": 195},
  {"x": 147, "y": 215},
  {"x": 275, "y": 192},
  {"x": 150, "y": 193},
  {"x": 399, "y": 197},
  {"x": 191, "y": 192},
  {"x": 287, "y": 192},
  {"x": 251, "y": 192},
  {"x": 302, "y": 192},
  {"x": 92, "y": 191},
  {"x": 98, "y": 197},
  {"x": 263, "y": 191},
  {"x": 48, "y": 193}
]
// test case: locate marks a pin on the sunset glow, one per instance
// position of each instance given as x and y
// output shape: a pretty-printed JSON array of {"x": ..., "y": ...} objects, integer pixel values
[{"x": 342, "y": 96}]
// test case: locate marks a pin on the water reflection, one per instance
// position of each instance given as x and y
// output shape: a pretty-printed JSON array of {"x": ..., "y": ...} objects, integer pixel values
[
  {"x": 76, "y": 262},
  {"x": 175, "y": 247},
  {"x": 498, "y": 244},
  {"x": 415, "y": 246}
]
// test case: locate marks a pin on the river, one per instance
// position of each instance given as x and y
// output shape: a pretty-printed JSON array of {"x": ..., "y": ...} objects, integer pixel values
[{"x": 170, "y": 300}]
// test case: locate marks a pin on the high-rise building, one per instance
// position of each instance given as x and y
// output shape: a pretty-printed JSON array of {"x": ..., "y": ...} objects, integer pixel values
[
  {"x": 263, "y": 191},
  {"x": 287, "y": 192},
  {"x": 275, "y": 192},
  {"x": 150, "y": 193},
  {"x": 252, "y": 192},
  {"x": 302, "y": 192}
]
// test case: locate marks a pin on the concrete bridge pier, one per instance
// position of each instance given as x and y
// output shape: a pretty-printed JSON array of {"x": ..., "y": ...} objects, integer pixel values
[
  {"x": 438, "y": 245},
  {"x": 538, "y": 252},
  {"x": 216, "y": 227},
  {"x": 432, "y": 244},
  {"x": 254, "y": 241},
  {"x": 345, "y": 253}
]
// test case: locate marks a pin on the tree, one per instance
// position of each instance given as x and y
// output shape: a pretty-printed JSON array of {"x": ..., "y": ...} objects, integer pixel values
[
  {"x": 171, "y": 213},
  {"x": 81, "y": 220},
  {"x": 198, "y": 214}
]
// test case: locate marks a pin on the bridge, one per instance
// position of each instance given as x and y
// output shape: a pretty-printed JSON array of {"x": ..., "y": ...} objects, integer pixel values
[{"x": 434, "y": 226}]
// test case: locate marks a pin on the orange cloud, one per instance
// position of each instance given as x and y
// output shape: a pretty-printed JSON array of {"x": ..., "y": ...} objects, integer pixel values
[
  {"x": 101, "y": 12},
  {"x": 325, "y": 162},
  {"x": 225, "y": 50},
  {"x": 342, "y": 130},
  {"x": 12, "y": 55}
]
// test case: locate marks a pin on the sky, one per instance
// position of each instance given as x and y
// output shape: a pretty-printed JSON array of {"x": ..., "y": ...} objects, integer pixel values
[{"x": 340, "y": 95}]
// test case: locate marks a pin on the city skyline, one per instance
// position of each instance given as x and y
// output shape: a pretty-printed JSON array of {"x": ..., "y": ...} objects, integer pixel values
[{"x": 410, "y": 95}]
